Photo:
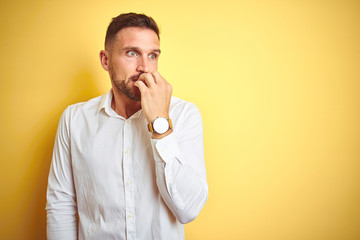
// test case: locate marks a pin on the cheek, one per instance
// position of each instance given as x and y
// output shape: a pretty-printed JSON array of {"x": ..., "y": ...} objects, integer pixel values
[
  {"x": 129, "y": 65},
  {"x": 124, "y": 67},
  {"x": 154, "y": 66}
]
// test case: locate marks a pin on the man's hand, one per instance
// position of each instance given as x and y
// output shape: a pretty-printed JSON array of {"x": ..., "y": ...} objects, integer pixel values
[{"x": 155, "y": 95}]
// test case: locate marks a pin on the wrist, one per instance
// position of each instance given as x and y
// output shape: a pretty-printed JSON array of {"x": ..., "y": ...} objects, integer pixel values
[
  {"x": 154, "y": 117},
  {"x": 160, "y": 126},
  {"x": 160, "y": 136}
]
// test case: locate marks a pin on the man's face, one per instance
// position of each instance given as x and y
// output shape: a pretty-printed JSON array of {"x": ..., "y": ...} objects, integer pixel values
[{"x": 133, "y": 52}]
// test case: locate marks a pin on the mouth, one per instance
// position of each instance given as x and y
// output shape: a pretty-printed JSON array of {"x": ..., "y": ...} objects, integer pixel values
[{"x": 135, "y": 78}]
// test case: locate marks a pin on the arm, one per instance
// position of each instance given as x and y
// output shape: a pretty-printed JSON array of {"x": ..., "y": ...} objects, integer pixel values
[
  {"x": 179, "y": 157},
  {"x": 61, "y": 198},
  {"x": 180, "y": 167}
]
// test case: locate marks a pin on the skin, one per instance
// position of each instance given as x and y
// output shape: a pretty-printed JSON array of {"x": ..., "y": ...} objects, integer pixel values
[{"x": 131, "y": 59}]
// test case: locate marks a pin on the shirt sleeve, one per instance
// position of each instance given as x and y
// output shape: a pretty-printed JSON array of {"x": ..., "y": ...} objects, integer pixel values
[
  {"x": 61, "y": 198},
  {"x": 180, "y": 166}
]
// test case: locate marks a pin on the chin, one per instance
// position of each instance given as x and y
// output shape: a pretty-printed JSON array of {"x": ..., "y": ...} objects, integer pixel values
[
  {"x": 134, "y": 95},
  {"x": 137, "y": 94},
  {"x": 137, "y": 97}
]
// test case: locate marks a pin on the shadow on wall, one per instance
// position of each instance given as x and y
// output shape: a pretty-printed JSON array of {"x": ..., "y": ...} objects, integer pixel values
[{"x": 83, "y": 88}]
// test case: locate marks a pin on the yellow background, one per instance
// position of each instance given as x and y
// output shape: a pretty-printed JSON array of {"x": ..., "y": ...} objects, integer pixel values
[{"x": 277, "y": 83}]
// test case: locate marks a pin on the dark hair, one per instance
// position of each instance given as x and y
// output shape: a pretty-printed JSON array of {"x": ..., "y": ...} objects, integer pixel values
[{"x": 129, "y": 20}]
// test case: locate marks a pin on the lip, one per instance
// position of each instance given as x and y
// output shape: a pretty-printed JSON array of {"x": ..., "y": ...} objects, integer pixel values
[{"x": 135, "y": 78}]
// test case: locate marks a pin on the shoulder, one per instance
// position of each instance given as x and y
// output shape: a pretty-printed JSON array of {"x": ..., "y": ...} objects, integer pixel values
[
  {"x": 88, "y": 105},
  {"x": 88, "y": 108},
  {"x": 91, "y": 105}
]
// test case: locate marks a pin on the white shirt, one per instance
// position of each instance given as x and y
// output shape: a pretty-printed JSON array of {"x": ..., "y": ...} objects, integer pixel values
[{"x": 122, "y": 183}]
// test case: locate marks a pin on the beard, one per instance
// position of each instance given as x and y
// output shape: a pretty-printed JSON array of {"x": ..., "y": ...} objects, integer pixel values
[
  {"x": 123, "y": 86},
  {"x": 127, "y": 91}
]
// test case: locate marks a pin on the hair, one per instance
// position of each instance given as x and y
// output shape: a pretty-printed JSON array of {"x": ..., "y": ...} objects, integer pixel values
[{"x": 130, "y": 20}]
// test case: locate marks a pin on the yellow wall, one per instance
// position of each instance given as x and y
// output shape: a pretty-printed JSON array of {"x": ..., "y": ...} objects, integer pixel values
[{"x": 277, "y": 82}]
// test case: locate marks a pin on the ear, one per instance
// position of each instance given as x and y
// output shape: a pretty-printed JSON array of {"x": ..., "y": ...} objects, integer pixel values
[{"x": 104, "y": 59}]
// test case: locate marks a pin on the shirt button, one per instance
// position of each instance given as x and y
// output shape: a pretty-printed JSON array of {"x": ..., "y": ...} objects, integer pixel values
[
  {"x": 126, "y": 151},
  {"x": 129, "y": 216},
  {"x": 128, "y": 183}
]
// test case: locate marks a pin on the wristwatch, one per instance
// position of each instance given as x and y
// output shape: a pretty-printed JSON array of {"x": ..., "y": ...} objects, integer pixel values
[{"x": 160, "y": 125}]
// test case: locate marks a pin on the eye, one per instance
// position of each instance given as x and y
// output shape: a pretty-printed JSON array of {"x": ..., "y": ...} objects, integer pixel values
[
  {"x": 131, "y": 53},
  {"x": 153, "y": 56}
]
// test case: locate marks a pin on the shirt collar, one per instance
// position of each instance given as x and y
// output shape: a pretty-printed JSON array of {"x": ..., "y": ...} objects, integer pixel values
[{"x": 105, "y": 104}]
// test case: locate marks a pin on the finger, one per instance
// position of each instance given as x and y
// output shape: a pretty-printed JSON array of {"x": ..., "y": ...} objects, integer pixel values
[
  {"x": 158, "y": 78},
  {"x": 142, "y": 87},
  {"x": 147, "y": 78}
]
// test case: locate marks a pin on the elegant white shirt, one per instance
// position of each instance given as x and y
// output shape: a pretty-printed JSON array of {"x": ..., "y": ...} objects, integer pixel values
[{"x": 120, "y": 182}]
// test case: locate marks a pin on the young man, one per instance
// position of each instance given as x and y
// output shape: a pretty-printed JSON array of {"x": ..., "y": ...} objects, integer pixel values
[{"x": 129, "y": 163}]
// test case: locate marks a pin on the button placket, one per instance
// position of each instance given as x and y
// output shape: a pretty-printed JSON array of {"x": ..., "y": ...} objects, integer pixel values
[{"x": 128, "y": 179}]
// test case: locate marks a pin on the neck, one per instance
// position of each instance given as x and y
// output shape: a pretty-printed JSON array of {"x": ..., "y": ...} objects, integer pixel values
[{"x": 123, "y": 105}]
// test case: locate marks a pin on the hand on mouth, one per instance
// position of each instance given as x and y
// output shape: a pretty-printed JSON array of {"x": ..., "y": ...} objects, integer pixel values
[{"x": 136, "y": 78}]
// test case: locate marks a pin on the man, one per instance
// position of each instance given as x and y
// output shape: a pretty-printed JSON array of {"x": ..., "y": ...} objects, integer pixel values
[{"x": 128, "y": 164}]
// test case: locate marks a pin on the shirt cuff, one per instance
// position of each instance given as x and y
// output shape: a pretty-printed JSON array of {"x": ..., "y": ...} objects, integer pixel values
[{"x": 165, "y": 149}]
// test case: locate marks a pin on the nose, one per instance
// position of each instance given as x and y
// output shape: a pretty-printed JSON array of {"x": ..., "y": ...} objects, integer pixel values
[{"x": 143, "y": 65}]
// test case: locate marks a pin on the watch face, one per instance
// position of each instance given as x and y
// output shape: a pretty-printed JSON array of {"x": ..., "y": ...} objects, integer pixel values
[{"x": 161, "y": 125}]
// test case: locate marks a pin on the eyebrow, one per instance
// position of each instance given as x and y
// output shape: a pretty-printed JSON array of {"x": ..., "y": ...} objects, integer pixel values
[{"x": 139, "y": 50}]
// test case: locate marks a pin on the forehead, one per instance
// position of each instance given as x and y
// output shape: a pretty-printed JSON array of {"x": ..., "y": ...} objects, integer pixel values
[{"x": 141, "y": 38}]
